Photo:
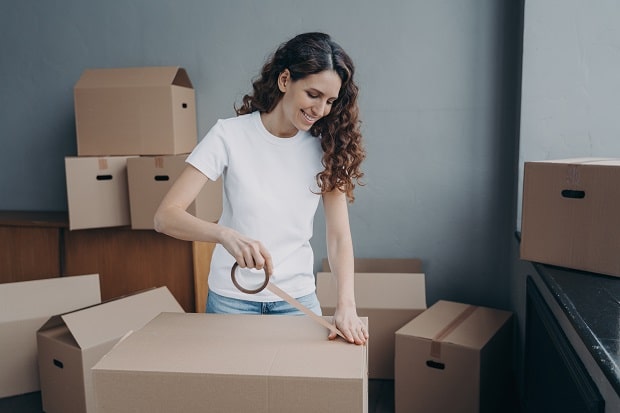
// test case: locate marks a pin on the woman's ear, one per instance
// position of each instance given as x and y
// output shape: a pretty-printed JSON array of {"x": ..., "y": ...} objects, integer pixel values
[{"x": 284, "y": 79}]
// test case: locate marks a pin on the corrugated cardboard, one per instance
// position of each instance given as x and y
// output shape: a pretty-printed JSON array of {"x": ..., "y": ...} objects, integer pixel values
[
  {"x": 150, "y": 178},
  {"x": 24, "y": 307},
  {"x": 232, "y": 363},
  {"x": 135, "y": 111},
  {"x": 400, "y": 265},
  {"x": 389, "y": 300},
  {"x": 570, "y": 214},
  {"x": 454, "y": 358},
  {"x": 97, "y": 192},
  {"x": 70, "y": 344}
]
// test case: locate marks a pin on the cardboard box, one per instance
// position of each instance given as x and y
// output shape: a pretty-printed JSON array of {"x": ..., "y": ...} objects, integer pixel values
[
  {"x": 24, "y": 307},
  {"x": 135, "y": 111},
  {"x": 570, "y": 214},
  {"x": 454, "y": 357},
  {"x": 232, "y": 363},
  {"x": 97, "y": 192},
  {"x": 389, "y": 300},
  {"x": 400, "y": 265},
  {"x": 150, "y": 178},
  {"x": 71, "y": 343}
]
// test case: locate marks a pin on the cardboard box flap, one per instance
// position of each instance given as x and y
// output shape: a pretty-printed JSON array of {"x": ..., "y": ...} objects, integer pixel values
[
  {"x": 407, "y": 290},
  {"x": 111, "y": 320},
  {"x": 475, "y": 331},
  {"x": 265, "y": 355},
  {"x": 134, "y": 77},
  {"x": 29, "y": 299},
  {"x": 457, "y": 323}
]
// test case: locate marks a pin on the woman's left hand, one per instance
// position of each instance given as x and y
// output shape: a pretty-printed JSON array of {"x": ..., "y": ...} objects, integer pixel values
[{"x": 350, "y": 325}]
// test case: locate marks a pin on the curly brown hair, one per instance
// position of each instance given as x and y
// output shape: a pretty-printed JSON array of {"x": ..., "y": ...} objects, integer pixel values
[{"x": 339, "y": 132}]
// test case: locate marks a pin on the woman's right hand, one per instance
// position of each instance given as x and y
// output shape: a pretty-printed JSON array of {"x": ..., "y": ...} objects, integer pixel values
[{"x": 248, "y": 253}]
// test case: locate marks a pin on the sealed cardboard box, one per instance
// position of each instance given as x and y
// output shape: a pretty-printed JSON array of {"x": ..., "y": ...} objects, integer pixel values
[
  {"x": 135, "y": 111},
  {"x": 97, "y": 192},
  {"x": 454, "y": 357},
  {"x": 570, "y": 214},
  {"x": 232, "y": 363},
  {"x": 150, "y": 178},
  {"x": 24, "y": 308},
  {"x": 401, "y": 297},
  {"x": 70, "y": 344}
]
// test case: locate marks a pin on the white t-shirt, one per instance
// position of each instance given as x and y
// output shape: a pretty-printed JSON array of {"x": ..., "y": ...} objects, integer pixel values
[{"x": 270, "y": 194}]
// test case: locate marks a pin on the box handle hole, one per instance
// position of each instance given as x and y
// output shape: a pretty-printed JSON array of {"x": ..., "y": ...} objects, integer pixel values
[
  {"x": 58, "y": 363},
  {"x": 435, "y": 365},
  {"x": 162, "y": 178},
  {"x": 184, "y": 105},
  {"x": 573, "y": 194},
  {"x": 104, "y": 177}
]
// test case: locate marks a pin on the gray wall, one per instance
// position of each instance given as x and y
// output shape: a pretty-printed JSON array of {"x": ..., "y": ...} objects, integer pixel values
[{"x": 438, "y": 99}]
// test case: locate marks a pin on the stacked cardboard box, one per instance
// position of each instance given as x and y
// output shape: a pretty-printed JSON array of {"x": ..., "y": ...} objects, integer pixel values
[
  {"x": 122, "y": 114},
  {"x": 390, "y": 293},
  {"x": 570, "y": 214}
]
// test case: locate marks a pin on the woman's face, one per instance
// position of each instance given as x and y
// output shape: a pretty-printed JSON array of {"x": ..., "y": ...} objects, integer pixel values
[{"x": 307, "y": 100}]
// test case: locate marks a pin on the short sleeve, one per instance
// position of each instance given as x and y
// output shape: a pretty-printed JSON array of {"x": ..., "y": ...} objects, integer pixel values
[{"x": 210, "y": 156}]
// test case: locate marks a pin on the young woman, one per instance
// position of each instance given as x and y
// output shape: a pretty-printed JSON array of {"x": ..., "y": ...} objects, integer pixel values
[{"x": 295, "y": 140}]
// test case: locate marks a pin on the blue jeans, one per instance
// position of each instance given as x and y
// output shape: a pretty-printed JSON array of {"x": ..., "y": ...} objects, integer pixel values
[{"x": 218, "y": 304}]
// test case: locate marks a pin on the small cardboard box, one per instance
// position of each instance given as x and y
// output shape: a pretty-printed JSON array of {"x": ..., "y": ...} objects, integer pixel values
[
  {"x": 70, "y": 344},
  {"x": 232, "y": 363},
  {"x": 135, "y": 111},
  {"x": 97, "y": 192},
  {"x": 389, "y": 299},
  {"x": 150, "y": 178},
  {"x": 24, "y": 307},
  {"x": 570, "y": 214},
  {"x": 454, "y": 357}
]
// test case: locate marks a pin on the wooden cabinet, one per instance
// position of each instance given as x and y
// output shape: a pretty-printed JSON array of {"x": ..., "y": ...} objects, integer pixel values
[
  {"x": 39, "y": 245},
  {"x": 30, "y": 245}
]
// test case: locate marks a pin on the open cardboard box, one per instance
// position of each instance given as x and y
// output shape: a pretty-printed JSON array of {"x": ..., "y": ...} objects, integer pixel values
[
  {"x": 150, "y": 178},
  {"x": 232, "y": 363},
  {"x": 390, "y": 293},
  {"x": 97, "y": 192},
  {"x": 24, "y": 307},
  {"x": 70, "y": 344},
  {"x": 570, "y": 214},
  {"x": 135, "y": 111},
  {"x": 454, "y": 357}
]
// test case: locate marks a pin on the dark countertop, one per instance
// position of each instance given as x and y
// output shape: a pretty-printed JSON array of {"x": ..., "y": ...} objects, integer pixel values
[{"x": 592, "y": 304}]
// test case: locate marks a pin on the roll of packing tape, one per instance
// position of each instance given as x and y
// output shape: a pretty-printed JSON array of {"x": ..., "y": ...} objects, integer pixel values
[{"x": 285, "y": 296}]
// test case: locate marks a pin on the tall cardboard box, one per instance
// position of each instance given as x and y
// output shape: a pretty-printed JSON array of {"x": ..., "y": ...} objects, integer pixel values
[
  {"x": 135, "y": 111},
  {"x": 150, "y": 178},
  {"x": 70, "y": 344},
  {"x": 97, "y": 192},
  {"x": 570, "y": 214},
  {"x": 232, "y": 363},
  {"x": 388, "y": 299},
  {"x": 24, "y": 308},
  {"x": 454, "y": 357}
]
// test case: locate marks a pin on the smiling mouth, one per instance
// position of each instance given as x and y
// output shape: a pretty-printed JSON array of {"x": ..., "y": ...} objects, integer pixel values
[{"x": 308, "y": 117}]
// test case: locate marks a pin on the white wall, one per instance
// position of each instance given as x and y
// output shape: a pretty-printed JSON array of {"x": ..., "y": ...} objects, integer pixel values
[
  {"x": 570, "y": 98},
  {"x": 570, "y": 103}
]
